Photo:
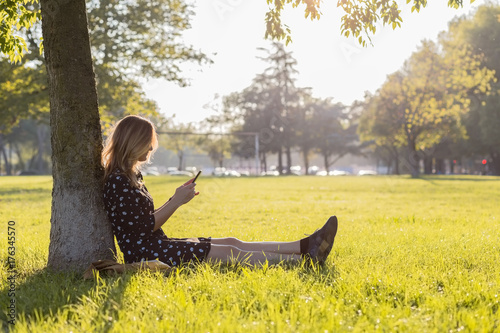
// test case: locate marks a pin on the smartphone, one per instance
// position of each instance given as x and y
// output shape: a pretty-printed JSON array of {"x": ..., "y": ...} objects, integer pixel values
[{"x": 196, "y": 177}]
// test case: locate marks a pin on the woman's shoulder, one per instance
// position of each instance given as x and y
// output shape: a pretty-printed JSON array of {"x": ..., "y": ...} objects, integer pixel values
[
  {"x": 116, "y": 173},
  {"x": 116, "y": 176}
]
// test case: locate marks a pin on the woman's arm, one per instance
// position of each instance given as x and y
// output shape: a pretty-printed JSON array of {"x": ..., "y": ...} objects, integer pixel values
[{"x": 183, "y": 195}]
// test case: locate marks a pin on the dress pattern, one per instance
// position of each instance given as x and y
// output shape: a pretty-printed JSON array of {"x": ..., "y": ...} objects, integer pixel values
[{"x": 130, "y": 211}]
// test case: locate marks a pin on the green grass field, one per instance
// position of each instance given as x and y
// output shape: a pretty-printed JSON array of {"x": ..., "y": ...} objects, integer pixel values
[{"x": 411, "y": 255}]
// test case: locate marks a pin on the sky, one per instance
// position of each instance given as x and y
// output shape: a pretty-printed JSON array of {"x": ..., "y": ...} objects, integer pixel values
[{"x": 231, "y": 31}]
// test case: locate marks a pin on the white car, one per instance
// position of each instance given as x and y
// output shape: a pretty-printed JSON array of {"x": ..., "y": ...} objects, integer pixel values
[{"x": 366, "y": 173}]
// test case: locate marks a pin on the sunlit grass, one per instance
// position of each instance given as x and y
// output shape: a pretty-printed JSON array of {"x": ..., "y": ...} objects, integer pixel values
[{"x": 411, "y": 255}]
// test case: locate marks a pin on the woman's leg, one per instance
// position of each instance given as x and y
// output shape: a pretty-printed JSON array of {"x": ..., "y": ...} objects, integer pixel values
[
  {"x": 317, "y": 246},
  {"x": 232, "y": 254},
  {"x": 268, "y": 247}
]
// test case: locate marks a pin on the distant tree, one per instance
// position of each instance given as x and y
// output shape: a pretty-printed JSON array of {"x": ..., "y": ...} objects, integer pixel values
[
  {"x": 29, "y": 145},
  {"x": 23, "y": 94},
  {"x": 178, "y": 138},
  {"x": 248, "y": 111},
  {"x": 217, "y": 147},
  {"x": 481, "y": 31},
  {"x": 334, "y": 134},
  {"x": 381, "y": 130},
  {"x": 304, "y": 127},
  {"x": 280, "y": 77},
  {"x": 422, "y": 103}
]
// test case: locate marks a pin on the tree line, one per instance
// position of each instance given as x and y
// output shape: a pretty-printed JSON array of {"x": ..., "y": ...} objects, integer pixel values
[{"x": 443, "y": 104}]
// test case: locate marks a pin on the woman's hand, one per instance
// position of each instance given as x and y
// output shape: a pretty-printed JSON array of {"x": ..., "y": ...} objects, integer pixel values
[{"x": 184, "y": 193}]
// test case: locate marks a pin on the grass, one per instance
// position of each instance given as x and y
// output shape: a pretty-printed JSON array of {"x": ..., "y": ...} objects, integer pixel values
[{"x": 411, "y": 255}]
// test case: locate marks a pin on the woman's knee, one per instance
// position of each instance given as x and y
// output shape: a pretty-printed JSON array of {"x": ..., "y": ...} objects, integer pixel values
[{"x": 231, "y": 241}]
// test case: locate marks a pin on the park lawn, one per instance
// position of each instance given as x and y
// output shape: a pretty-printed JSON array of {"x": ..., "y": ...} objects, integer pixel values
[{"x": 411, "y": 255}]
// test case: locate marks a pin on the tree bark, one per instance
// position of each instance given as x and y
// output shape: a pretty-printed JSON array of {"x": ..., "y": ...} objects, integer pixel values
[
  {"x": 305, "y": 153},
  {"x": 413, "y": 159},
  {"x": 440, "y": 168},
  {"x": 263, "y": 161},
  {"x": 180, "y": 154},
  {"x": 41, "y": 134},
  {"x": 8, "y": 169},
  {"x": 396, "y": 161},
  {"x": 280, "y": 160},
  {"x": 427, "y": 164},
  {"x": 80, "y": 232},
  {"x": 288, "y": 159}
]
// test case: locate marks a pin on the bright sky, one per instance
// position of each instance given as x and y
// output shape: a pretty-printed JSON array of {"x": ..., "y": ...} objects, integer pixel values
[{"x": 230, "y": 31}]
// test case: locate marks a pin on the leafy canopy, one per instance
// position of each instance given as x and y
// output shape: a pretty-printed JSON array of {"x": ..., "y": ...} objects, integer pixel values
[
  {"x": 16, "y": 16},
  {"x": 359, "y": 20}
]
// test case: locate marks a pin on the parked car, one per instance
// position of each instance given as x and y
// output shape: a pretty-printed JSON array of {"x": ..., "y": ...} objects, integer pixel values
[
  {"x": 312, "y": 170},
  {"x": 181, "y": 173},
  {"x": 151, "y": 171},
  {"x": 171, "y": 170},
  {"x": 366, "y": 173},
  {"x": 219, "y": 171},
  {"x": 296, "y": 170},
  {"x": 192, "y": 169},
  {"x": 270, "y": 173},
  {"x": 232, "y": 173},
  {"x": 338, "y": 173}
]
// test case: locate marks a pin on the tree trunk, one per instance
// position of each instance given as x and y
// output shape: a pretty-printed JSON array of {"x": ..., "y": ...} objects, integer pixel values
[
  {"x": 413, "y": 160},
  {"x": 305, "y": 153},
  {"x": 325, "y": 161},
  {"x": 440, "y": 168},
  {"x": 280, "y": 160},
  {"x": 396, "y": 161},
  {"x": 22, "y": 166},
  {"x": 80, "y": 232},
  {"x": 288, "y": 159},
  {"x": 180, "y": 154},
  {"x": 263, "y": 162},
  {"x": 8, "y": 169},
  {"x": 41, "y": 134},
  {"x": 427, "y": 164}
]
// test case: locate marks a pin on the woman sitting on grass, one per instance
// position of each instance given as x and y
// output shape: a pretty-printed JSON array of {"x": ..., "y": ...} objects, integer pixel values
[{"x": 137, "y": 225}]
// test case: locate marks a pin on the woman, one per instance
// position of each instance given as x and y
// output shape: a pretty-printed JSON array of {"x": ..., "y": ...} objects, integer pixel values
[{"x": 137, "y": 225}]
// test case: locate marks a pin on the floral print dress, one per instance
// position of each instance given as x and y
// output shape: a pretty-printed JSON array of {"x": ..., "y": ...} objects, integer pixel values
[{"x": 130, "y": 211}]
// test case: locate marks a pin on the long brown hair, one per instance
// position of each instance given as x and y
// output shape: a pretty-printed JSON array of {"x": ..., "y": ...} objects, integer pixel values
[{"x": 131, "y": 138}]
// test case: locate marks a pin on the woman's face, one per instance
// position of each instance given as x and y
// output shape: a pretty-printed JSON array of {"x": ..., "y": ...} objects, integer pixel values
[{"x": 144, "y": 157}]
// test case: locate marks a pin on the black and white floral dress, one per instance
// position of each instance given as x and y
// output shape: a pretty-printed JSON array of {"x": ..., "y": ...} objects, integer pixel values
[{"x": 130, "y": 211}]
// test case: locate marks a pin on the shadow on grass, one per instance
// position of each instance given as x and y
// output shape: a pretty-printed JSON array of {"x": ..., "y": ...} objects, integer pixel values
[
  {"x": 17, "y": 190},
  {"x": 325, "y": 274},
  {"x": 46, "y": 294},
  {"x": 459, "y": 178}
]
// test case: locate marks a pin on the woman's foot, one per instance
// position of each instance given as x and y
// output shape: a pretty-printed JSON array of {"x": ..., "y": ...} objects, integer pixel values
[{"x": 320, "y": 243}]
